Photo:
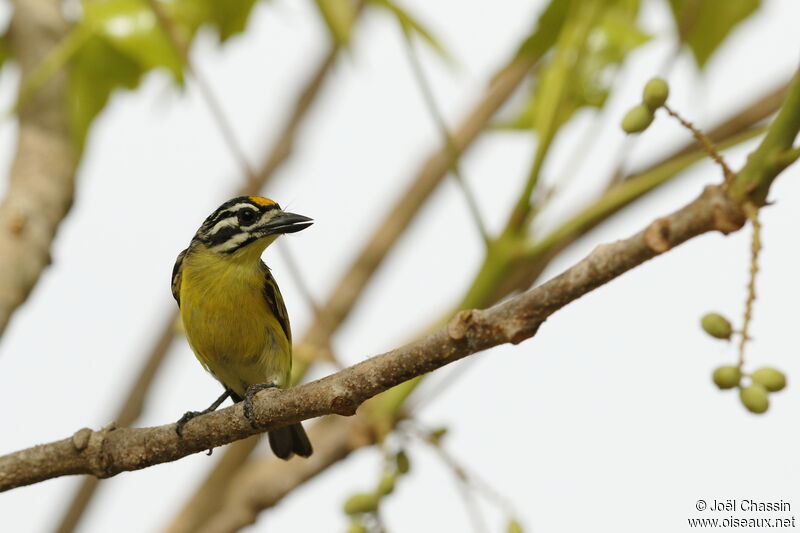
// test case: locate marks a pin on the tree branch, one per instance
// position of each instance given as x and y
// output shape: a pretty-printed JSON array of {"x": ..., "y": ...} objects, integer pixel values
[
  {"x": 737, "y": 127},
  {"x": 110, "y": 451},
  {"x": 237, "y": 514},
  {"x": 42, "y": 180}
]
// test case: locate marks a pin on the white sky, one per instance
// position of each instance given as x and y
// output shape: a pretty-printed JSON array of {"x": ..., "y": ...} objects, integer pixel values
[{"x": 605, "y": 421}]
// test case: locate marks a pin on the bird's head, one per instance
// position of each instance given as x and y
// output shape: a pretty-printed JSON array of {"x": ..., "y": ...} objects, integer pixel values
[{"x": 247, "y": 223}]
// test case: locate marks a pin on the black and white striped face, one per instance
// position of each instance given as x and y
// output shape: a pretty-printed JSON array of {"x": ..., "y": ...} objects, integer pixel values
[{"x": 246, "y": 219}]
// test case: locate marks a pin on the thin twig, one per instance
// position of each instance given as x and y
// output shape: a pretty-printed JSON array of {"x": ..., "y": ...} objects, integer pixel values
[
  {"x": 210, "y": 98},
  {"x": 705, "y": 142},
  {"x": 444, "y": 131},
  {"x": 470, "y": 503},
  {"x": 470, "y": 479},
  {"x": 293, "y": 266},
  {"x": 755, "y": 248}
]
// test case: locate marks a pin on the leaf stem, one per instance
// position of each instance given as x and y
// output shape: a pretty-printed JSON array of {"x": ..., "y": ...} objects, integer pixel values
[
  {"x": 705, "y": 142},
  {"x": 755, "y": 248}
]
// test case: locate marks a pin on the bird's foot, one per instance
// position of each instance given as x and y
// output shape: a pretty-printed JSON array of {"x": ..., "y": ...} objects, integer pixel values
[
  {"x": 188, "y": 415},
  {"x": 193, "y": 414},
  {"x": 252, "y": 390}
]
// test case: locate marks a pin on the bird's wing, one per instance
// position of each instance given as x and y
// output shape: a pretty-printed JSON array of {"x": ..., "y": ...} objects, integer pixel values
[
  {"x": 275, "y": 301},
  {"x": 176, "y": 277}
]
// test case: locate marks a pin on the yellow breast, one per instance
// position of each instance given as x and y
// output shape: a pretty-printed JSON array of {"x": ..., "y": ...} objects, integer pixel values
[{"x": 229, "y": 324}]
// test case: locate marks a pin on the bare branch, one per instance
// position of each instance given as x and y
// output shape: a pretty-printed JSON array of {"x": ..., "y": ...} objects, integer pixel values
[
  {"x": 444, "y": 131},
  {"x": 110, "y": 451},
  {"x": 42, "y": 179},
  {"x": 208, "y": 95}
]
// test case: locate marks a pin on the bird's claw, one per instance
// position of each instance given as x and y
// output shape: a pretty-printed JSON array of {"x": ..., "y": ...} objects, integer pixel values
[
  {"x": 252, "y": 390},
  {"x": 188, "y": 415}
]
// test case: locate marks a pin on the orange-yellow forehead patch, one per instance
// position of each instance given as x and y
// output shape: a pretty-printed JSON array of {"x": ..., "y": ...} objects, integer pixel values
[{"x": 261, "y": 201}]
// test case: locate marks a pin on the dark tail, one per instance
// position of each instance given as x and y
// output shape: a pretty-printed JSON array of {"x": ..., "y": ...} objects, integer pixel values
[{"x": 290, "y": 440}]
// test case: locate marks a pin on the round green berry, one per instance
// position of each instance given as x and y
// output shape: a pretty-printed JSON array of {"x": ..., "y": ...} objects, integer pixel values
[
  {"x": 637, "y": 119},
  {"x": 716, "y": 325},
  {"x": 386, "y": 484},
  {"x": 755, "y": 398},
  {"x": 402, "y": 462},
  {"x": 772, "y": 379},
  {"x": 365, "y": 502},
  {"x": 727, "y": 377},
  {"x": 655, "y": 93}
]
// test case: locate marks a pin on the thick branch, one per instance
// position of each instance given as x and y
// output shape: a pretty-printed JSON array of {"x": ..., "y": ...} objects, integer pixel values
[
  {"x": 42, "y": 180},
  {"x": 110, "y": 451}
]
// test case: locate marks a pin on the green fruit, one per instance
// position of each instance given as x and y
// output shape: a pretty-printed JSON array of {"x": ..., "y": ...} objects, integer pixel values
[
  {"x": 637, "y": 119},
  {"x": 365, "y": 502},
  {"x": 755, "y": 398},
  {"x": 655, "y": 93},
  {"x": 357, "y": 527},
  {"x": 386, "y": 485},
  {"x": 716, "y": 325},
  {"x": 773, "y": 380},
  {"x": 513, "y": 527},
  {"x": 727, "y": 377},
  {"x": 402, "y": 462}
]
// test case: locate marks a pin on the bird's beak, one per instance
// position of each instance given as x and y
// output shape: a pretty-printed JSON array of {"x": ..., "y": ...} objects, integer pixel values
[{"x": 286, "y": 223}]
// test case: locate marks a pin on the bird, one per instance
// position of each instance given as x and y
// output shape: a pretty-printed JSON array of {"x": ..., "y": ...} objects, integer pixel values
[{"x": 233, "y": 312}]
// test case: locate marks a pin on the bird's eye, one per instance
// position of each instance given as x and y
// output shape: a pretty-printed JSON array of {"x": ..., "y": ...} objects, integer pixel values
[{"x": 246, "y": 217}]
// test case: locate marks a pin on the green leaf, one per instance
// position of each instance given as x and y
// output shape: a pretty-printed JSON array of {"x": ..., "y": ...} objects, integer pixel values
[
  {"x": 704, "y": 24},
  {"x": 339, "y": 16},
  {"x": 591, "y": 44},
  {"x": 412, "y": 26},
  {"x": 547, "y": 28},
  {"x": 133, "y": 28},
  {"x": 228, "y": 17},
  {"x": 96, "y": 69}
]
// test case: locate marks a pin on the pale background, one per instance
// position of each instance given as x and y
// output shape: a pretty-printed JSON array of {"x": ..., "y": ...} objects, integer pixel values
[{"x": 605, "y": 421}]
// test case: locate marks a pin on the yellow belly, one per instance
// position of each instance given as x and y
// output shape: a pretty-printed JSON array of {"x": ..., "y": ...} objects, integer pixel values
[{"x": 229, "y": 324}]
